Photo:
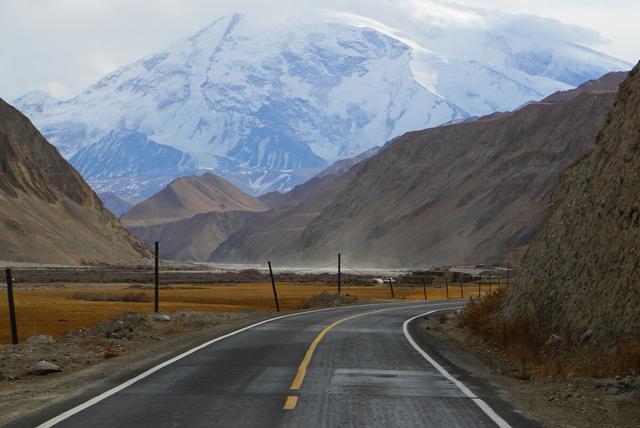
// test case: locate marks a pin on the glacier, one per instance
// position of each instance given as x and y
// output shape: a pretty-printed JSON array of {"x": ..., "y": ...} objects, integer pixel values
[{"x": 268, "y": 104}]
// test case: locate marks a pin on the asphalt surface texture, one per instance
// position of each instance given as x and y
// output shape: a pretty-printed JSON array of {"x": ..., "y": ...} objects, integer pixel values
[{"x": 345, "y": 367}]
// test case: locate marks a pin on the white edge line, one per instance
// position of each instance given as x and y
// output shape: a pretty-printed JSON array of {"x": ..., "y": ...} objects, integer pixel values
[
  {"x": 461, "y": 386},
  {"x": 80, "y": 407}
]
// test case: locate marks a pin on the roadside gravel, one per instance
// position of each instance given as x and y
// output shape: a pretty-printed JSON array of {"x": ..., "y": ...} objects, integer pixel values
[{"x": 94, "y": 357}]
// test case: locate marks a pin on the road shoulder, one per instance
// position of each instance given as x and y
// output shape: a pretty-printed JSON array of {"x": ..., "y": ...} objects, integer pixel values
[
  {"x": 548, "y": 402},
  {"x": 30, "y": 400}
]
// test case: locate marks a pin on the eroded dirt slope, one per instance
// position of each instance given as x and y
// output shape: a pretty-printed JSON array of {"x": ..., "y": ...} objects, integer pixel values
[
  {"x": 582, "y": 271},
  {"x": 48, "y": 214}
]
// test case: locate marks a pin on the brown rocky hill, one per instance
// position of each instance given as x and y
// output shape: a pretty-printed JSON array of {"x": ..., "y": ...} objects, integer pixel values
[
  {"x": 187, "y": 196},
  {"x": 582, "y": 270},
  {"x": 276, "y": 233},
  {"x": 48, "y": 214},
  {"x": 195, "y": 238},
  {"x": 462, "y": 193}
]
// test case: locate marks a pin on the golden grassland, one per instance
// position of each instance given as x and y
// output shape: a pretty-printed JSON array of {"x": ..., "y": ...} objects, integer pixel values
[{"x": 56, "y": 309}]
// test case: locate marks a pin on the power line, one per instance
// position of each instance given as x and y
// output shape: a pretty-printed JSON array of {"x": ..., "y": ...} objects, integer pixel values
[{"x": 356, "y": 270}]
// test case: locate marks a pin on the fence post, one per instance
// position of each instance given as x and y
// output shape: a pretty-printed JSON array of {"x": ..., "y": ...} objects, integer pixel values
[
  {"x": 424, "y": 288},
  {"x": 156, "y": 282},
  {"x": 273, "y": 285},
  {"x": 339, "y": 274},
  {"x": 490, "y": 279},
  {"x": 479, "y": 284},
  {"x": 461, "y": 291},
  {"x": 393, "y": 295},
  {"x": 446, "y": 284},
  {"x": 12, "y": 309},
  {"x": 508, "y": 271}
]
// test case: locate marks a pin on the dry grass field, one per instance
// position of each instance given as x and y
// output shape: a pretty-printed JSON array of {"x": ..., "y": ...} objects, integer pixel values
[{"x": 55, "y": 309}]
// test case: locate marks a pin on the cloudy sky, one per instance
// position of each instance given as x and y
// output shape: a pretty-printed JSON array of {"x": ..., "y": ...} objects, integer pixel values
[{"x": 63, "y": 46}]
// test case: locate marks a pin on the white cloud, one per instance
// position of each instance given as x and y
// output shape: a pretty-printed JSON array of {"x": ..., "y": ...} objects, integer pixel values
[
  {"x": 441, "y": 15},
  {"x": 74, "y": 42},
  {"x": 102, "y": 62},
  {"x": 58, "y": 90},
  {"x": 526, "y": 24}
]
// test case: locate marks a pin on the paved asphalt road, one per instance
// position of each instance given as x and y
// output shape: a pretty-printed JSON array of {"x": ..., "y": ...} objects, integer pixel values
[{"x": 346, "y": 367}]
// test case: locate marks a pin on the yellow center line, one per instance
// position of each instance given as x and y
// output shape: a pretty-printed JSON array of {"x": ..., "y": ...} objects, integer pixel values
[
  {"x": 291, "y": 402},
  {"x": 302, "y": 368}
]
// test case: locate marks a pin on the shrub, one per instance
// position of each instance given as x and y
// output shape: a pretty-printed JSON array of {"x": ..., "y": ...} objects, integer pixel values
[
  {"x": 532, "y": 341},
  {"x": 97, "y": 297}
]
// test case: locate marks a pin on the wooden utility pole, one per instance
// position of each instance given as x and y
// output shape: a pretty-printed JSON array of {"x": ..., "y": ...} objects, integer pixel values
[
  {"x": 273, "y": 285},
  {"x": 446, "y": 284},
  {"x": 156, "y": 281},
  {"x": 339, "y": 274},
  {"x": 12, "y": 309},
  {"x": 393, "y": 294}
]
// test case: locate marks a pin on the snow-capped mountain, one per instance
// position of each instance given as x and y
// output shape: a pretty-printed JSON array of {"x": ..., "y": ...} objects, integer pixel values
[
  {"x": 123, "y": 158},
  {"x": 268, "y": 104}
]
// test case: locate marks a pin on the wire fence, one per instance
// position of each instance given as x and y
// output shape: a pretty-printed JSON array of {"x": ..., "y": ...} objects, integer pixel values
[{"x": 55, "y": 300}]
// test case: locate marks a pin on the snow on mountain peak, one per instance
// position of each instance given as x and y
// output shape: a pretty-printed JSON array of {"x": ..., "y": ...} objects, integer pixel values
[{"x": 267, "y": 103}]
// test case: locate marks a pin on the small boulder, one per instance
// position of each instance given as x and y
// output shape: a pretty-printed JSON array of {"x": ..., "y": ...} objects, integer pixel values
[
  {"x": 586, "y": 336},
  {"x": 161, "y": 317},
  {"x": 118, "y": 332},
  {"x": 43, "y": 367},
  {"x": 554, "y": 340},
  {"x": 41, "y": 339}
]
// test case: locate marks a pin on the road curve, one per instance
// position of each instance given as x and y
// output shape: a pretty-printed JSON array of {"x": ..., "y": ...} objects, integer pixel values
[{"x": 354, "y": 366}]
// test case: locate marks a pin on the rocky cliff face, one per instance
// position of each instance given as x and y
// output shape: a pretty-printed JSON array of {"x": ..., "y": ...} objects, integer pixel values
[
  {"x": 583, "y": 268},
  {"x": 48, "y": 214}
]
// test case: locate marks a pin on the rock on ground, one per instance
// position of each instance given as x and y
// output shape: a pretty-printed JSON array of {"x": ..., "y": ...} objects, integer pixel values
[
  {"x": 44, "y": 368},
  {"x": 41, "y": 339}
]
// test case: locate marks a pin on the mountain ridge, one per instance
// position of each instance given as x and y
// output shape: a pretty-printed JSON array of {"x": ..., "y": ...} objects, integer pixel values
[
  {"x": 318, "y": 88},
  {"x": 473, "y": 191}
]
